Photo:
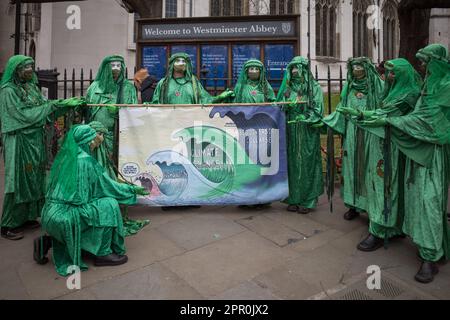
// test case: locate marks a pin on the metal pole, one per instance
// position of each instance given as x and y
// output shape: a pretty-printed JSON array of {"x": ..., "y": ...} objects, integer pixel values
[
  {"x": 17, "y": 31},
  {"x": 309, "y": 32},
  {"x": 379, "y": 33}
]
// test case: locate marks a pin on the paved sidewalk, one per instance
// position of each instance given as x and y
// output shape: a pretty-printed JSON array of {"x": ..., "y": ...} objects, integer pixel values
[{"x": 229, "y": 253}]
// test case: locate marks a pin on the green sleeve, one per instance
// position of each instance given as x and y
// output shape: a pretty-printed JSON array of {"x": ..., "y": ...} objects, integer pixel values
[
  {"x": 122, "y": 192},
  {"x": 156, "y": 95},
  {"x": 130, "y": 95},
  {"x": 16, "y": 115},
  {"x": 316, "y": 114},
  {"x": 205, "y": 97},
  {"x": 270, "y": 94},
  {"x": 335, "y": 121}
]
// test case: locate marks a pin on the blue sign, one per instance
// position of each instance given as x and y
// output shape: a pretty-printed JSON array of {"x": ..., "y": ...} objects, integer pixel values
[
  {"x": 241, "y": 54},
  {"x": 276, "y": 59},
  {"x": 215, "y": 60},
  {"x": 154, "y": 59},
  {"x": 191, "y": 50}
]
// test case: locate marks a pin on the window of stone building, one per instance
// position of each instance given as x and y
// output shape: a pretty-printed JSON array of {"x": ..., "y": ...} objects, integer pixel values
[
  {"x": 390, "y": 27},
  {"x": 228, "y": 7},
  {"x": 282, "y": 7},
  {"x": 362, "y": 36},
  {"x": 326, "y": 26},
  {"x": 36, "y": 14},
  {"x": 171, "y": 8}
]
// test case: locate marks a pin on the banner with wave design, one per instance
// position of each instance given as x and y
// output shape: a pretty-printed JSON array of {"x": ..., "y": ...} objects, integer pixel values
[{"x": 227, "y": 155}]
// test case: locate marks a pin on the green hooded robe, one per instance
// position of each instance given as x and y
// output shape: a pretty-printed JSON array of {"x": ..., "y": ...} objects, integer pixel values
[
  {"x": 249, "y": 91},
  {"x": 131, "y": 227},
  {"x": 364, "y": 94},
  {"x": 23, "y": 115},
  {"x": 303, "y": 141},
  {"x": 104, "y": 90},
  {"x": 400, "y": 97},
  {"x": 424, "y": 136},
  {"x": 81, "y": 211},
  {"x": 187, "y": 90}
]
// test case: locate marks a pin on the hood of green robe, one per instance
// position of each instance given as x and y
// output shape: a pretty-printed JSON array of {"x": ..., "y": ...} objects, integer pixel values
[
  {"x": 64, "y": 171},
  {"x": 429, "y": 123},
  {"x": 372, "y": 85},
  {"x": 406, "y": 84},
  {"x": 299, "y": 83},
  {"x": 189, "y": 77},
  {"x": 98, "y": 127},
  {"x": 104, "y": 76},
  {"x": 262, "y": 84},
  {"x": 10, "y": 75}
]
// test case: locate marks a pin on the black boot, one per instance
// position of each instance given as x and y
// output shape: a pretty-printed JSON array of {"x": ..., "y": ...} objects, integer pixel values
[
  {"x": 351, "y": 214},
  {"x": 11, "y": 234},
  {"x": 427, "y": 272},
  {"x": 303, "y": 210},
  {"x": 292, "y": 208},
  {"x": 32, "y": 224},
  {"x": 41, "y": 245},
  {"x": 371, "y": 243},
  {"x": 110, "y": 260}
]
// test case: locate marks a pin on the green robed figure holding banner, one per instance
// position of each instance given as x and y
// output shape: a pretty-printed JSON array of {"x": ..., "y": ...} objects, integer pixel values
[
  {"x": 386, "y": 164},
  {"x": 253, "y": 87},
  {"x": 303, "y": 140},
  {"x": 23, "y": 114},
  {"x": 82, "y": 211},
  {"x": 362, "y": 92},
  {"x": 424, "y": 137},
  {"x": 181, "y": 86},
  {"x": 110, "y": 87}
]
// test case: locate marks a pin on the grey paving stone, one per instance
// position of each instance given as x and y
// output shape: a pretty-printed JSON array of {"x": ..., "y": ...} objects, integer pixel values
[
  {"x": 196, "y": 231},
  {"x": 224, "y": 264}
]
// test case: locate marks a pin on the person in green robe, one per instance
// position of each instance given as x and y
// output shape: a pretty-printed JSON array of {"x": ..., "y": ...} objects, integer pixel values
[
  {"x": 363, "y": 92},
  {"x": 303, "y": 140},
  {"x": 23, "y": 115},
  {"x": 252, "y": 85},
  {"x": 385, "y": 179},
  {"x": 81, "y": 211},
  {"x": 110, "y": 87},
  {"x": 131, "y": 227},
  {"x": 424, "y": 137},
  {"x": 181, "y": 86}
]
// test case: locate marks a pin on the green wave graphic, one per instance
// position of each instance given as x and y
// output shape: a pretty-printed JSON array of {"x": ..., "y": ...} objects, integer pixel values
[{"x": 220, "y": 158}]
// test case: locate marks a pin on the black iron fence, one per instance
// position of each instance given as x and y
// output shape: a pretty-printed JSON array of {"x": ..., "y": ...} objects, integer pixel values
[{"x": 72, "y": 83}]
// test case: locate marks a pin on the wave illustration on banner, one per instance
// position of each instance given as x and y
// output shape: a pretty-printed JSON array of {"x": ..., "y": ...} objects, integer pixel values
[{"x": 236, "y": 157}]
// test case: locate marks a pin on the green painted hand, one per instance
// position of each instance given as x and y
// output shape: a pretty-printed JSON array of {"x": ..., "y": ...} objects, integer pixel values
[
  {"x": 349, "y": 111},
  {"x": 141, "y": 191},
  {"x": 224, "y": 95},
  {"x": 72, "y": 102},
  {"x": 374, "y": 122},
  {"x": 317, "y": 124}
]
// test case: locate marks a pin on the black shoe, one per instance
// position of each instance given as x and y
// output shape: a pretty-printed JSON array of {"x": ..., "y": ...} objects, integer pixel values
[
  {"x": 110, "y": 260},
  {"x": 427, "y": 272},
  {"x": 41, "y": 246},
  {"x": 292, "y": 208},
  {"x": 32, "y": 224},
  {"x": 11, "y": 234},
  {"x": 303, "y": 210},
  {"x": 371, "y": 243},
  {"x": 351, "y": 214}
]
